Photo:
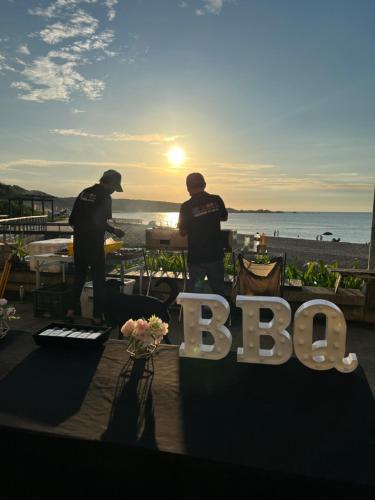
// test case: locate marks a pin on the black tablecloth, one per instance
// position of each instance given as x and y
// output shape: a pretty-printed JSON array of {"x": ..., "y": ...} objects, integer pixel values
[{"x": 221, "y": 423}]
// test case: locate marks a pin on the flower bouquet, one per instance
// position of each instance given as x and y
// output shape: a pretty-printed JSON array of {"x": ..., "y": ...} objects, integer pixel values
[
  {"x": 144, "y": 336},
  {"x": 6, "y": 314}
]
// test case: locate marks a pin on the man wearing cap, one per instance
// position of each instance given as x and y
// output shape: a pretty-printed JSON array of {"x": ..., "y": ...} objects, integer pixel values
[
  {"x": 200, "y": 220},
  {"x": 91, "y": 211}
]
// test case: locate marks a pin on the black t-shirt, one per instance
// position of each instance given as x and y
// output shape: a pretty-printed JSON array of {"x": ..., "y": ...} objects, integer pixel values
[
  {"x": 200, "y": 217},
  {"x": 91, "y": 210}
]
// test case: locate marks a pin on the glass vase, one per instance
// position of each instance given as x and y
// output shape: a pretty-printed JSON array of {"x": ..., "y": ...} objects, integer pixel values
[{"x": 138, "y": 350}]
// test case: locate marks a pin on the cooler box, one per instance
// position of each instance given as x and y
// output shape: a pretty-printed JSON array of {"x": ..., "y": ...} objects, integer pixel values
[
  {"x": 47, "y": 247},
  {"x": 87, "y": 296}
]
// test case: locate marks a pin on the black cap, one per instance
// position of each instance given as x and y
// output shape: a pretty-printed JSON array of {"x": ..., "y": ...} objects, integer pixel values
[
  {"x": 195, "y": 180},
  {"x": 113, "y": 176}
]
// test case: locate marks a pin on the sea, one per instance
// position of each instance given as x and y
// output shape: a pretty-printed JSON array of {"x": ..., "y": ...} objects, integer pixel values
[{"x": 353, "y": 227}]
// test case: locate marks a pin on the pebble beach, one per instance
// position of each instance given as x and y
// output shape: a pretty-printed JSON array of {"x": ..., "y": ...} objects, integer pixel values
[{"x": 296, "y": 249}]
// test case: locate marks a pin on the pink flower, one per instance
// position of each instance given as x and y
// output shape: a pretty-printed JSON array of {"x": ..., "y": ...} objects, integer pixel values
[
  {"x": 3, "y": 302},
  {"x": 141, "y": 325},
  {"x": 128, "y": 327}
]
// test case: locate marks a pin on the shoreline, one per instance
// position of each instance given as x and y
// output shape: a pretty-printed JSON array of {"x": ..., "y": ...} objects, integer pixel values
[{"x": 297, "y": 250}]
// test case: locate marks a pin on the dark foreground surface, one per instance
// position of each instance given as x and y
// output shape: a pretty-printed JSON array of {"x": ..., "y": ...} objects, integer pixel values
[{"x": 179, "y": 427}]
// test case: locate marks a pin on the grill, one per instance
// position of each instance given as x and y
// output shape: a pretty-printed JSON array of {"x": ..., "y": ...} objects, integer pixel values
[{"x": 167, "y": 238}]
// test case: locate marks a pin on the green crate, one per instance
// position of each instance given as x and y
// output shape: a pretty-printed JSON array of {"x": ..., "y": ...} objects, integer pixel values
[{"x": 52, "y": 301}]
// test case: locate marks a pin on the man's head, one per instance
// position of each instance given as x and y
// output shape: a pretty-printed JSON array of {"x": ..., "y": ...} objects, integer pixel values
[
  {"x": 195, "y": 183},
  {"x": 111, "y": 180}
]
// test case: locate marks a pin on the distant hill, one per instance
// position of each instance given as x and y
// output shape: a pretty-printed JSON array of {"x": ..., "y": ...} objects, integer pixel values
[
  {"x": 7, "y": 191},
  {"x": 123, "y": 205}
]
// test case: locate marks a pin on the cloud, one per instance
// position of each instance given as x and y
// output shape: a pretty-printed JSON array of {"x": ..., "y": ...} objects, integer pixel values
[
  {"x": 24, "y": 49},
  {"x": 49, "y": 81},
  {"x": 116, "y": 136},
  {"x": 20, "y": 85},
  {"x": 57, "y": 8},
  {"x": 81, "y": 24},
  {"x": 43, "y": 163},
  {"x": 57, "y": 74},
  {"x": 96, "y": 42},
  {"x": 211, "y": 7},
  {"x": 110, "y": 4},
  {"x": 4, "y": 66},
  {"x": 76, "y": 111}
]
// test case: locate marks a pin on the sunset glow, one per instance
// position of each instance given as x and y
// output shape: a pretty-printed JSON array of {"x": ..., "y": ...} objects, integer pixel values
[{"x": 176, "y": 156}]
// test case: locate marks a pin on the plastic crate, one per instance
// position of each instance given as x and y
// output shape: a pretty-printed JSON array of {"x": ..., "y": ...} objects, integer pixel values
[
  {"x": 52, "y": 301},
  {"x": 72, "y": 336}
]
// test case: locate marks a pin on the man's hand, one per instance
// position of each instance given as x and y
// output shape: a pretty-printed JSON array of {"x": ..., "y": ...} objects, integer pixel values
[{"x": 118, "y": 232}]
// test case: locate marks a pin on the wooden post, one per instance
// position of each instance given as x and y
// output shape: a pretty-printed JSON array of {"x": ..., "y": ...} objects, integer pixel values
[{"x": 371, "y": 257}]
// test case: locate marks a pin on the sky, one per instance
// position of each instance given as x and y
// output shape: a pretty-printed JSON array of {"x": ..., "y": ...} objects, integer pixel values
[{"x": 272, "y": 100}]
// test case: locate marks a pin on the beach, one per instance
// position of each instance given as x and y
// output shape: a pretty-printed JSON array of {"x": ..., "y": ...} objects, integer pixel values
[{"x": 296, "y": 249}]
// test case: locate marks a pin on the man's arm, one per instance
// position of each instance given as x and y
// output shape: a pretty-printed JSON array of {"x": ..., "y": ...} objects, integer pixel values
[
  {"x": 114, "y": 230},
  {"x": 73, "y": 214},
  {"x": 182, "y": 228},
  {"x": 107, "y": 214},
  {"x": 223, "y": 210}
]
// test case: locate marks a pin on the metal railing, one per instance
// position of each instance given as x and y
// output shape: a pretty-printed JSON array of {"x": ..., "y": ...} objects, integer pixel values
[{"x": 34, "y": 224}]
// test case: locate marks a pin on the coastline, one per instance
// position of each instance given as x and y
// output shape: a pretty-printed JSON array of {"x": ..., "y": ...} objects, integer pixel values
[{"x": 297, "y": 249}]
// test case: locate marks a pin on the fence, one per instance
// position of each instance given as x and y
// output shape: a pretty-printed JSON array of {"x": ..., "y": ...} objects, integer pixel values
[{"x": 34, "y": 224}]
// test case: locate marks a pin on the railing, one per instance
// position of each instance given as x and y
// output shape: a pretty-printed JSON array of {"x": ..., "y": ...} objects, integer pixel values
[{"x": 23, "y": 225}]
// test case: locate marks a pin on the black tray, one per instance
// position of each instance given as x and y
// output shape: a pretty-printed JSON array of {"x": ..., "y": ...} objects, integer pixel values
[{"x": 73, "y": 341}]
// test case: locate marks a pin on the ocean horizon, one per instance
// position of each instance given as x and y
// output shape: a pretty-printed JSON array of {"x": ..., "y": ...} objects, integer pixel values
[{"x": 352, "y": 227}]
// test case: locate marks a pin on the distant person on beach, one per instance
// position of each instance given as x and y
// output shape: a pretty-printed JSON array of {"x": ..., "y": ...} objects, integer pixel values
[
  {"x": 91, "y": 211},
  {"x": 199, "y": 219}
]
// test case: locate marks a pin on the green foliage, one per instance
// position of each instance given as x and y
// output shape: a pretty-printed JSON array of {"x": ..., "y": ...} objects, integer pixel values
[
  {"x": 19, "y": 248},
  {"x": 164, "y": 261},
  {"x": 316, "y": 273}
]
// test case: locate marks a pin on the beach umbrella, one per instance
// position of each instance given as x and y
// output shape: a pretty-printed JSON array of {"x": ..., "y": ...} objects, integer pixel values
[{"x": 327, "y": 233}]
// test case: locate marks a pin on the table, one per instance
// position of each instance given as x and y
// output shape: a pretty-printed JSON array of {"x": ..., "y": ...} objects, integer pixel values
[
  {"x": 125, "y": 259},
  {"x": 48, "y": 259},
  {"x": 170, "y": 422}
]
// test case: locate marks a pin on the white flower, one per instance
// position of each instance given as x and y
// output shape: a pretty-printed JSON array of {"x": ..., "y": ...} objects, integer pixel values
[{"x": 3, "y": 302}]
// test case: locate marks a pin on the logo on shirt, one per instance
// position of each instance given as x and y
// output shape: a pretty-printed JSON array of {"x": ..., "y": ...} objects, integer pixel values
[
  {"x": 90, "y": 197},
  {"x": 208, "y": 208}
]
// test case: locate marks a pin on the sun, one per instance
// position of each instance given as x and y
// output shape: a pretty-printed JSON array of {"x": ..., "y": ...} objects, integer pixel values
[{"x": 176, "y": 156}]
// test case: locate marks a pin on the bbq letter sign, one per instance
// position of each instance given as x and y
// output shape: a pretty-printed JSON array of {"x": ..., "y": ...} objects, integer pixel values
[{"x": 319, "y": 355}]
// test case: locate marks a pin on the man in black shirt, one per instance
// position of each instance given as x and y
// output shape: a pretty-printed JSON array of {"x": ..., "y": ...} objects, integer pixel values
[
  {"x": 200, "y": 219},
  {"x": 91, "y": 211}
]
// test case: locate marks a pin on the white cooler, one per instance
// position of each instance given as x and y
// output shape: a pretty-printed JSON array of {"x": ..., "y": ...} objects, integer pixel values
[
  {"x": 87, "y": 296},
  {"x": 47, "y": 247}
]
